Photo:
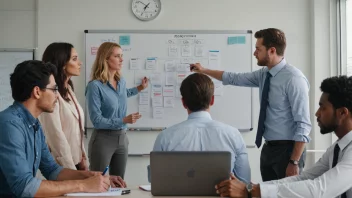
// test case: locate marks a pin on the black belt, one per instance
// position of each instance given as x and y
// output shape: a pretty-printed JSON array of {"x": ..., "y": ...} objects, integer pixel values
[{"x": 279, "y": 142}]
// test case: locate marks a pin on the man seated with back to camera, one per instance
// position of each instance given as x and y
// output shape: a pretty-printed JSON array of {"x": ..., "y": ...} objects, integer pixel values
[{"x": 200, "y": 132}]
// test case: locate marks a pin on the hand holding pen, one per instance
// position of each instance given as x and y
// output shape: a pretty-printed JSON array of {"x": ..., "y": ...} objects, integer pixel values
[
  {"x": 143, "y": 85},
  {"x": 97, "y": 183},
  {"x": 115, "y": 181}
]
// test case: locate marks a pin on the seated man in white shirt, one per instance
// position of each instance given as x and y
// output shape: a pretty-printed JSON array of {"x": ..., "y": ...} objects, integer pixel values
[
  {"x": 331, "y": 176},
  {"x": 199, "y": 132}
]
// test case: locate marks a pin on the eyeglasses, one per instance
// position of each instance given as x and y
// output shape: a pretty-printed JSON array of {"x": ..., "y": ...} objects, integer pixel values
[{"x": 52, "y": 89}]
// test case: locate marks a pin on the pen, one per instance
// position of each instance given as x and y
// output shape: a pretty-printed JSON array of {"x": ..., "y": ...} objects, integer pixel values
[{"x": 106, "y": 170}]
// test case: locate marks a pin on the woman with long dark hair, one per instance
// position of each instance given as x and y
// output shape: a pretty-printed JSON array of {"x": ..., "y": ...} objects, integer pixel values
[{"x": 64, "y": 127}]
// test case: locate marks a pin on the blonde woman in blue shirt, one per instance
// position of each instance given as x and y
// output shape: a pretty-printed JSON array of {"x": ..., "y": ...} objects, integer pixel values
[{"x": 106, "y": 96}]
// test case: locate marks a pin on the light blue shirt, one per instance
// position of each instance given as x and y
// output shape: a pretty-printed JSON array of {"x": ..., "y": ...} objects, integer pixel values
[
  {"x": 287, "y": 114},
  {"x": 22, "y": 151},
  {"x": 201, "y": 133},
  {"x": 106, "y": 106}
]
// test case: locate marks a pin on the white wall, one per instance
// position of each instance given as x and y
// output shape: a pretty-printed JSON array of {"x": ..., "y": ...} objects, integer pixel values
[
  {"x": 307, "y": 24},
  {"x": 17, "y": 24}
]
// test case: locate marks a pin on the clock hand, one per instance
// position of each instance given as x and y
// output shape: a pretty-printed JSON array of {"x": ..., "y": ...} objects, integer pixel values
[
  {"x": 140, "y": 2},
  {"x": 145, "y": 7}
]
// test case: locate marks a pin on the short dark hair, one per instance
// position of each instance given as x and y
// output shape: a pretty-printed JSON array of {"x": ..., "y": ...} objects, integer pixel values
[
  {"x": 197, "y": 90},
  {"x": 339, "y": 89},
  {"x": 28, "y": 75},
  {"x": 59, "y": 54},
  {"x": 273, "y": 37}
]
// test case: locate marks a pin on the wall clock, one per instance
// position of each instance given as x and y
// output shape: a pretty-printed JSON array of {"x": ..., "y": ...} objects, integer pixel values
[{"x": 146, "y": 10}]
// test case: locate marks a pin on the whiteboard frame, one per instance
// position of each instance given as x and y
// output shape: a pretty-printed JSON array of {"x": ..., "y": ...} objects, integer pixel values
[
  {"x": 172, "y": 32},
  {"x": 19, "y": 50}
]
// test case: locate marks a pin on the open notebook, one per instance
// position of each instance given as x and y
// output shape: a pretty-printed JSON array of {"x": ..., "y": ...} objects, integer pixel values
[{"x": 110, "y": 192}]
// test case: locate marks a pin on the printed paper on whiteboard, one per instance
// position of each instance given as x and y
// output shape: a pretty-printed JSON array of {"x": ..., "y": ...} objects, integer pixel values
[
  {"x": 150, "y": 64},
  {"x": 214, "y": 59},
  {"x": 135, "y": 64}
]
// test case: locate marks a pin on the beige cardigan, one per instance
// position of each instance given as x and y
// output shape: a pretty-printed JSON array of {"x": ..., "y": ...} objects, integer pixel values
[{"x": 63, "y": 132}]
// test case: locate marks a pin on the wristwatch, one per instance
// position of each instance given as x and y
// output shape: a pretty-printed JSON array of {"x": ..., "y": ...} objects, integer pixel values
[
  {"x": 294, "y": 162},
  {"x": 249, "y": 187}
]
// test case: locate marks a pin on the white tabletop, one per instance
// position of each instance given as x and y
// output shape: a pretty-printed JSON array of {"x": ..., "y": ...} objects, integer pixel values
[{"x": 138, "y": 193}]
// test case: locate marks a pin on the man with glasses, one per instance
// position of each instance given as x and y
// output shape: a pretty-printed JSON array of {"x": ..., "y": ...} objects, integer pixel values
[{"x": 22, "y": 142}]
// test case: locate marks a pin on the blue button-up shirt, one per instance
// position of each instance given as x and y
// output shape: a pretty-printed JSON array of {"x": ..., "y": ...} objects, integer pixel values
[
  {"x": 287, "y": 114},
  {"x": 22, "y": 151},
  {"x": 201, "y": 133},
  {"x": 106, "y": 106}
]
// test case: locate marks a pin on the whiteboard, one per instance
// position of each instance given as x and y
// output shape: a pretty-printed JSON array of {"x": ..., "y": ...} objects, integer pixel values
[
  {"x": 234, "y": 51},
  {"x": 9, "y": 58}
]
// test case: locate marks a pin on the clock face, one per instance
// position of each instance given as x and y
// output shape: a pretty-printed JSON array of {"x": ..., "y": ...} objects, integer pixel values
[{"x": 146, "y": 9}]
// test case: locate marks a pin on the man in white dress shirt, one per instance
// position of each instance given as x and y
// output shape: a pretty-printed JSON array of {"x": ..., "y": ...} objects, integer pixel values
[
  {"x": 331, "y": 176},
  {"x": 200, "y": 132}
]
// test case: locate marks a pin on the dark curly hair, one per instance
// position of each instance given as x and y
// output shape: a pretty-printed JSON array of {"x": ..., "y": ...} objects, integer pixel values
[
  {"x": 28, "y": 75},
  {"x": 339, "y": 89}
]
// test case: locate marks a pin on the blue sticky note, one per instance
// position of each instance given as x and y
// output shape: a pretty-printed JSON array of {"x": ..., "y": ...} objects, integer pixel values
[
  {"x": 232, "y": 40},
  {"x": 124, "y": 40},
  {"x": 241, "y": 40}
]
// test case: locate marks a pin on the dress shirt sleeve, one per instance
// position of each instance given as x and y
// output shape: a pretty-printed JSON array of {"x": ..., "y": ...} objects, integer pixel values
[
  {"x": 241, "y": 167},
  {"x": 249, "y": 79},
  {"x": 56, "y": 139},
  {"x": 158, "y": 143},
  {"x": 13, "y": 162},
  {"x": 48, "y": 166},
  {"x": 298, "y": 96},
  {"x": 132, "y": 92},
  {"x": 94, "y": 99},
  {"x": 317, "y": 181}
]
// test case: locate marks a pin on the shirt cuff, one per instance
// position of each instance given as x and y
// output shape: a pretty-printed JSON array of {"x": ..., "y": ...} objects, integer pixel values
[
  {"x": 134, "y": 91},
  {"x": 31, "y": 188},
  {"x": 301, "y": 138},
  {"x": 55, "y": 173},
  {"x": 120, "y": 123},
  {"x": 268, "y": 190},
  {"x": 225, "y": 78}
]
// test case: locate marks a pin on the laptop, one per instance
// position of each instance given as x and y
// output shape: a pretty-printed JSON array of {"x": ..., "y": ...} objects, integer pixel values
[{"x": 188, "y": 173}]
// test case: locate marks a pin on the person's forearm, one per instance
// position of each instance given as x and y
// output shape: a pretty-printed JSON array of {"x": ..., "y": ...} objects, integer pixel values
[
  {"x": 256, "y": 191},
  {"x": 69, "y": 174},
  {"x": 140, "y": 88},
  {"x": 297, "y": 150},
  {"x": 57, "y": 188},
  {"x": 214, "y": 73}
]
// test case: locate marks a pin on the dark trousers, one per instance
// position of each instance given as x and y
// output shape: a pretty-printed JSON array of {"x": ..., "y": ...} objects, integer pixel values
[
  {"x": 108, "y": 147},
  {"x": 275, "y": 157}
]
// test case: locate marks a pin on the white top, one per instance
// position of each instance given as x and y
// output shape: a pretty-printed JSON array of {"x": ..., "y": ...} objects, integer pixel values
[{"x": 320, "y": 180}]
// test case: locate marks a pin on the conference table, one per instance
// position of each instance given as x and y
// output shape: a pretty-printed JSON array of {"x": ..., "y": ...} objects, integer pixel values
[{"x": 138, "y": 193}]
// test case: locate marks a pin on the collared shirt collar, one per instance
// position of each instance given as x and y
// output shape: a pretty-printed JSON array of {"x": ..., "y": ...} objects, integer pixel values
[
  {"x": 199, "y": 114},
  {"x": 31, "y": 121},
  {"x": 345, "y": 140},
  {"x": 274, "y": 70}
]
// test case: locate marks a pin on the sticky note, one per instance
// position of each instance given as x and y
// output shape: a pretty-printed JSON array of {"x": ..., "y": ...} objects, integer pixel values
[
  {"x": 241, "y": 40},
  {"x": 232, "y": 40},
  {"x": 124, "y": 40}
]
